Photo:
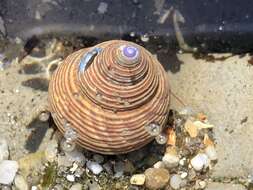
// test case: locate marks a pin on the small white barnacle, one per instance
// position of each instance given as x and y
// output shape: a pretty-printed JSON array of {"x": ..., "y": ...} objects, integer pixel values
[
  {"x": 153, "y": 128},
  {"x": 161, "y": 138}
]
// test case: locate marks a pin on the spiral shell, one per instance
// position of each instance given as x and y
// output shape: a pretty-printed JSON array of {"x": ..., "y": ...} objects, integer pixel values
[{"x": 108, "y": 94}]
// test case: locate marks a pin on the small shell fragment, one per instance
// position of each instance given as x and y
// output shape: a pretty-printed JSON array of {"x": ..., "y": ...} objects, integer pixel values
[
  {"x": 210, "y": 148},
  {"x": 200, "y": 161},
  {"x": 191, "y": 128},
  {"x": 171, "y": 137},
  {"x": 202, "y": 125}
]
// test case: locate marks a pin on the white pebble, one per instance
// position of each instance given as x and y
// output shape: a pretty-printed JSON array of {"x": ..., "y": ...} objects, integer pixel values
[
  {"x": 44, "y": 116},
  {"x": 4, "y": 150},
  {"x": 183, "y": 175},
  {"x": 182, "y": 161},
  {"x": 34, "y": 188},
  {"x": 175, "y": 182},
  {"x": 8, "y": 170},
  {"x": 76, "y": 186},
  {"x": 20, "y": 183},
  {"x": 159, "y": 164},
  {"x": 95, "y": 167},
  {"x": 70, "y": 178},
  {"x": 138, "y": 179},
  {"x": 102, "y": 8},
  {"x": 170, "y": 160},
  {"x": 200, "y": 161},
  {"x": 211, "y": 153},
  {"x": 74, "y": 167}
]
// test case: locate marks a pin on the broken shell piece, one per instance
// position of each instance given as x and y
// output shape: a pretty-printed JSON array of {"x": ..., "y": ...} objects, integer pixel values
[
  {"x": 201, "y": 125},
  {"x": 171, "y": 137},
  {"x": 208, "y": 141},
  {"x": 191, "y": 128},
  {"x": 159, "y": 164},
  {"x": 210, "y": 148},
  {"x": 200, "y": 162},
  {"x": 171, "y": 158}
]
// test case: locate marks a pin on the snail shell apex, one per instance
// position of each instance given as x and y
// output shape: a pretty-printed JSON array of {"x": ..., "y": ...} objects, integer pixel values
[{"x": 109, "y": 99}]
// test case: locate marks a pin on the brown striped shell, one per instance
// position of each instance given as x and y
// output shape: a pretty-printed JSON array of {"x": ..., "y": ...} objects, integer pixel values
[{"x": 109, "y": 104}]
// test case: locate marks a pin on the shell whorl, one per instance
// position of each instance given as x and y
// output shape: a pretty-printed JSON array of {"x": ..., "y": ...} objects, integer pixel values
[{"x": 110, "y": 102}]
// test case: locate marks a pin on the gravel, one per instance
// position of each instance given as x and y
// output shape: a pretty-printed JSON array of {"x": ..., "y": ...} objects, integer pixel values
[
  {"x": 156, "y": 178},
  {"x": 8, "y": 170},
  {"x": 95, "y": 167}
]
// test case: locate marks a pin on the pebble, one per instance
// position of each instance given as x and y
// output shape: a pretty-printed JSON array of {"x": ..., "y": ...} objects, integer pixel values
[
  {"x": 95, "y": 167},
  {"x": 170, "y": 160},
  {"x": 200, "y": 161},
  {"x": 34, "y": 188},
  {"x": 76, "y": 186},
  {"x": 5, "y": 187},
  {"x": 57, "y": 187},
  {"x": 44, "y": 116},
  {"x": 138, "y": 179},
  {"x": 156, "y": 178},
  {"x": 102, "y": 8},
  {"x": 119, "y": 169},
  {"x": 79, "y": 172},
  {"x": 182, "y": 161},
  {"x": 21, "y": 183},
  {"x": 4, "y": 150},
  {"x": 159, "y": 164},
  {"x": 211, "y": 153},
  {"x": 133, "y": 187},
  {"x": 184, "y": 175},
  {"x": 8, "y": 170},
  {"x": 74, "y": 168},
  {"x": 175, "y": 181},
  {"x": 51, "y": 151},
  {"x": 70, "y": 178}
]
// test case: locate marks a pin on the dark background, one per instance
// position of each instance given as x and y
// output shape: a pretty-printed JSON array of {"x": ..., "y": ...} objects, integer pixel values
[{"x": 211, "y": 25}]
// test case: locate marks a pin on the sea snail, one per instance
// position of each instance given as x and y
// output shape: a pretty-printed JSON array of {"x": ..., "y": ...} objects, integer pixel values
[{"x": 115, "y": 96}]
